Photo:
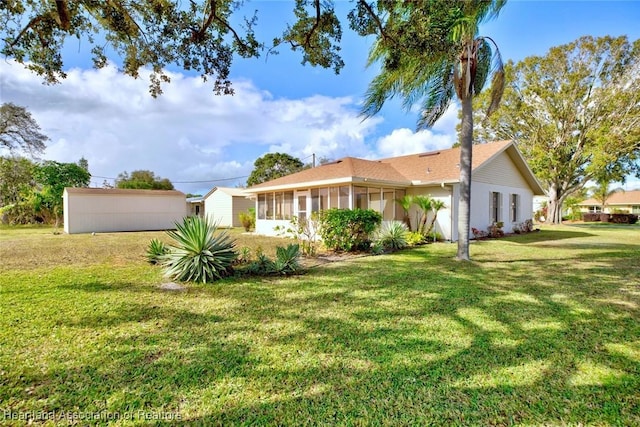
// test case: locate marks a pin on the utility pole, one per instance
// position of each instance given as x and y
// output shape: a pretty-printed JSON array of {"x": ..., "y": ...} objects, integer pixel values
[{"x": 313, "y": 162}]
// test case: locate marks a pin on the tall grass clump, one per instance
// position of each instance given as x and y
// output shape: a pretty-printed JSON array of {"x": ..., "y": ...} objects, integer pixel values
[{"x": 201, "y": 253}]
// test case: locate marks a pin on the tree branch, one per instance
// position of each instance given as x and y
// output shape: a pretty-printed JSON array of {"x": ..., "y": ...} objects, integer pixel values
[
  {"x": 213, "y": 16},
  {"x": 379, "y": 24},
  {"x": 31, "y": 24}
]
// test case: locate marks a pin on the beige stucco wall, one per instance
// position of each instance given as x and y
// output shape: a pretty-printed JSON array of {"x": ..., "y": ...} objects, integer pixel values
[
  {"x": 109, "y": 210},
  {"x": 443, "y": 224}
]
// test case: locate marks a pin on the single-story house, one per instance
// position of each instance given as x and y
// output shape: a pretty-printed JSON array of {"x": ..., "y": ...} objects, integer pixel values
[
  {"x": 223, "y": 205},
  {"x": 89, "y": 210},
  {"x": 623, "y": 202},
  {"x": 502, "y": 189}
]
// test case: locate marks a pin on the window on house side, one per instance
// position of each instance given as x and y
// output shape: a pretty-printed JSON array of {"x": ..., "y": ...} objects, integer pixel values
[
  {"x": 287, "y": 208},
  {"x": 515, "y": 202},
  {"x": 375, "y": 199},
  {"x": 360, "y": 198},
  {"x": 333, "y": 197},
  {"x": 344, "y": 197},
  {"x": 388, "y": 205},
  {"x": 495, "y": 203},
  {"x": 262, "y": 206},
  {"x": 399, "y": 194}
]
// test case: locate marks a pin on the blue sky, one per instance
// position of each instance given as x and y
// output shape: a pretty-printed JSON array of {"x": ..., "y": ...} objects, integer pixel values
[{"x": 189, "y": 134}]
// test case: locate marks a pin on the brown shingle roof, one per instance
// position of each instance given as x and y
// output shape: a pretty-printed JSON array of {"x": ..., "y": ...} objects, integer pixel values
[
  {"x": 442, "y": 165},
  {"x": 631, "y": 197},
  {"x": 424, "y": 168}
]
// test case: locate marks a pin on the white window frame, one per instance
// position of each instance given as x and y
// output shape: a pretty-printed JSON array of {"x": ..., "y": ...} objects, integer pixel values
[
  {"x": 493, "y": 209},
  {"x": 514, "y": 207}
]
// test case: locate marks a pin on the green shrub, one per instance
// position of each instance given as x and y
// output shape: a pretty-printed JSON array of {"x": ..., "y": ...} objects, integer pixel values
[
  {"x": 156, "y": 251},
  {"x": 348, "y": 230},
  {"x": 262, "y": 266},
  {"x": 201, "y": 254},
  {"x": 244, "y": 257},
  {"x": 414, "y": 238},
  {"x": 248, "y": 219},
  {"x": 287, "y": 259},
  {"x": 392, "y": 235},
  {"x": 287, "y": 262}
]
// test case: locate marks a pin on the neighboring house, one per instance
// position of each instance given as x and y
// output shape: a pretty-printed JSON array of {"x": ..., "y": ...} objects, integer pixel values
[
  {"x": 195, "y": 206},
  {"x": 223, "y": 205},
  {"x": 89, "y": 210},
  {"x": 623, "y": 202},
  {"x": 502, "y": 188}
]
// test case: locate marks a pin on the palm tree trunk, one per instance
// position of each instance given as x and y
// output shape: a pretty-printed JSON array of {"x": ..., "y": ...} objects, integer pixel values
[{"x": 464, "y": 203}]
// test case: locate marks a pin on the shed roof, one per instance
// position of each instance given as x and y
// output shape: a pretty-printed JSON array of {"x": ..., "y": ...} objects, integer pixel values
[
  {"x": 234, "y": 192},
  {"x": 122, "y": 191}
]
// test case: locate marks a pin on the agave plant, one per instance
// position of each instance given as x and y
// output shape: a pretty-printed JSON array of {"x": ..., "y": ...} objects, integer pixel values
[
  {"x": 201, "y": 254},
  {"x": 392, "y": 235},
  {"x": 287, "y": 259},
  {"x": 156, "y": 251}
]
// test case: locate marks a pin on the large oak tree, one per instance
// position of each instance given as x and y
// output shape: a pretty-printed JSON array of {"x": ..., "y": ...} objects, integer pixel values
[
  {"x": 143, "y": 180},
  {"x": 19, "y": 131},
  {"x": 272, "y": 166},
  {"x": 574, "y": 113},
  {"x": 202, "y": 36}
]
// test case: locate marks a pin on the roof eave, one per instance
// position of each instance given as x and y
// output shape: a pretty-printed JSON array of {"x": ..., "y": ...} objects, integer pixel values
[{"x": 327, "y": 182}]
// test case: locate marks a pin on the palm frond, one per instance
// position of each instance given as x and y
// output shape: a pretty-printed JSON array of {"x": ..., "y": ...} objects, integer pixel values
[
  {"x": 437, "y": 104},
  {"x": 483, "y": 64},
  {"x": 497, "y": 79}
]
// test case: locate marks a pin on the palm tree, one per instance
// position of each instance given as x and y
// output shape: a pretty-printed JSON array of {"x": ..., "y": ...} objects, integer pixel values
[
  {"x": 405, "y": 202},
  {"x": 436, "y": 205},
  {"x": 430, "y": 52},
  {"x": 602, "y": 193},
  {"x": 424, "y": 203}
]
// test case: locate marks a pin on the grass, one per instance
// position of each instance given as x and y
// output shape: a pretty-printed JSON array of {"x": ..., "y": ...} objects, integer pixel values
[{"x": 539, "y": 329}]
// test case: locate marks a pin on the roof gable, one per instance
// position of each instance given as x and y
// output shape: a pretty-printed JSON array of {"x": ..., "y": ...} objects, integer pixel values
[{"x": 234, "y": 192}]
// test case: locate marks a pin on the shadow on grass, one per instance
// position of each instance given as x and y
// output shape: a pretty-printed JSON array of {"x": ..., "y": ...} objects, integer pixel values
[
  {"x": 411, "y": 338},
  {"x": 546, "y": 235}
]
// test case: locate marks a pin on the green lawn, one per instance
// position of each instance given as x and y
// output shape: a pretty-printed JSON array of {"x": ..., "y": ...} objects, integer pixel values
[{"x": 540, "y": 329}]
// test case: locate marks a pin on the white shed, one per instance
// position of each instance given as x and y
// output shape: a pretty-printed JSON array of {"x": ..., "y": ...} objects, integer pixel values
[
  {"x": 223, "y": 205},
  {"x": 106, "y": 209}
]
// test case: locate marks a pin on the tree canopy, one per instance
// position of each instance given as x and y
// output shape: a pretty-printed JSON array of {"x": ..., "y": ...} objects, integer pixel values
[
  {"x": 143, "y": 180},
  {"x": 202, "y": 36},
  {"x": 16, "y": 183},
  {"x": 272, "y": 166},
  {"x": 53, "y": 177},
  {"x": 19, "y": 132},
  {"x": 574, "y": 113}
]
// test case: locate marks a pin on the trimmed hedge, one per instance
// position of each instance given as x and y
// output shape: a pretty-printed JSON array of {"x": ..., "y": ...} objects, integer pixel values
[
  {"x": 623, "y": 218},
  {"x": 613, "y": 218}
]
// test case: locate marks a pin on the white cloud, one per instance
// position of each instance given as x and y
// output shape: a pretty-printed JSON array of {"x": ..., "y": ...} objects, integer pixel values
[
  {"x": 404, "y": 141},
  {"x": 188, "y": 133}
]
